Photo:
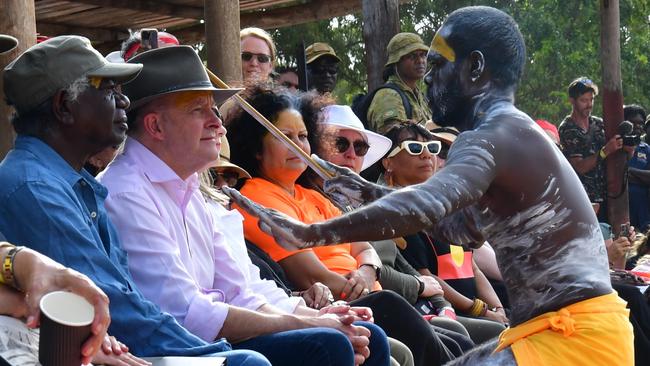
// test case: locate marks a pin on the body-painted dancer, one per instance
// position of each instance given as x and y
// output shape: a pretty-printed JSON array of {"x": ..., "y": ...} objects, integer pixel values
[{"x": 505, "y": 182}]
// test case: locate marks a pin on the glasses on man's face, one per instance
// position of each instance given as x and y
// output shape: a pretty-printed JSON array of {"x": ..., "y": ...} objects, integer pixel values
[
  {"x": 261, "y": 58},
  {"x": 417, "y": 147},
  {"x": 585, "y": 82},
  {"x": 342, "y": 145}
]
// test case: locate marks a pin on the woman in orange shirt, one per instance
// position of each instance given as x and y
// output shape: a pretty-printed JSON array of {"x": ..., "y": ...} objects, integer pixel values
[{"x": 349, "y": 270}]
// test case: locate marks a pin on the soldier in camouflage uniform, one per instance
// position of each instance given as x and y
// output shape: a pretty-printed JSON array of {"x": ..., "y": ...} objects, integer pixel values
[
  {"x": 405, "y": 68},
  {"x": 582, "y": 137}
]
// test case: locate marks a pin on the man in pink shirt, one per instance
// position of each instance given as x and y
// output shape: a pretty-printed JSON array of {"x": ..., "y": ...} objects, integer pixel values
[{"x": 177, "y": 256}]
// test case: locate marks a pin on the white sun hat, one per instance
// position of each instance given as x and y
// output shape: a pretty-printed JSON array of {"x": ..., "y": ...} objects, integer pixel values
[{"x": 343, "y": 117}]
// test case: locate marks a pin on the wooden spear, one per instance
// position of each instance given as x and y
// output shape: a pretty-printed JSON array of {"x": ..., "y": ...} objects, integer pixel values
[{"x": 322, "y": 172}]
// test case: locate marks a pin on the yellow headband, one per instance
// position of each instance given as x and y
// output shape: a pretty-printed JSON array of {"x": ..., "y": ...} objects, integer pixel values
[
  {"x": 440, "y": 45},
  {"x": 95, "y": 81}
]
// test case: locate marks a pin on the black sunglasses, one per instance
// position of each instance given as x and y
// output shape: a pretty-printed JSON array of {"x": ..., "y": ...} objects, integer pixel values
[
  {"x": 261, "y": 58},
  {"x": 229, "y": 176},
  {"x": 360, "y": 147}
]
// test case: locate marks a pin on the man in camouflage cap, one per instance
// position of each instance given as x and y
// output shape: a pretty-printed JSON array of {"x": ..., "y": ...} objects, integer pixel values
[
  {"x": 406, "y": 66},
  {"x": 322, "y": 67}
]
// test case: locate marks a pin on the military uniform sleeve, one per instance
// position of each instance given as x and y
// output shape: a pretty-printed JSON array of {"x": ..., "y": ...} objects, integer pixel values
[{"x": 386, "y": 107}]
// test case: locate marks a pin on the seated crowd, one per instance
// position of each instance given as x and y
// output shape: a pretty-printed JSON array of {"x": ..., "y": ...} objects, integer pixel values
[{"x": 119, "y": 190}]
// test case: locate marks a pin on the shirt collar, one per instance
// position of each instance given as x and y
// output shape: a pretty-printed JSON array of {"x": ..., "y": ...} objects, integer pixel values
[
  {"x": 157, "y": 171},
  {"x": 55, "y": 162},
  {"x": 152, "y": 166}
]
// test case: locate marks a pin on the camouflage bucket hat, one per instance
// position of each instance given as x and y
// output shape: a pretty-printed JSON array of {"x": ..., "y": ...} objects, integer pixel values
[{"x": 402, "y": 44}]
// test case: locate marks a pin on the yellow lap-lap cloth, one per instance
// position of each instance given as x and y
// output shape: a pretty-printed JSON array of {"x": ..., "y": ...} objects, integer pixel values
[{"x": 596, "y": 331}]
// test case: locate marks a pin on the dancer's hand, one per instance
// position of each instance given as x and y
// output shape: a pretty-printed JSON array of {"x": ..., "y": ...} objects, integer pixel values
[
  {"x": 289, "y": 233},
  {"x": 348, "y": 188}
]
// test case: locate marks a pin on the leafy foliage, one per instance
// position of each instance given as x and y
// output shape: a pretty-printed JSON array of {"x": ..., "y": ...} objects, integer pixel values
[{"x": 562, "y": 39}]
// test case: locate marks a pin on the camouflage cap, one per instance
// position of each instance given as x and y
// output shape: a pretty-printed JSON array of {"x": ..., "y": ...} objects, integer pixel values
[
  {"x": 318, "y": 50},
  {"x": 402, "y": 44}
]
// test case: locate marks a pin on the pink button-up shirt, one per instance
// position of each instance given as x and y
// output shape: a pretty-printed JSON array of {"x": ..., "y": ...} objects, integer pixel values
[{"x": 177, "y": 255}]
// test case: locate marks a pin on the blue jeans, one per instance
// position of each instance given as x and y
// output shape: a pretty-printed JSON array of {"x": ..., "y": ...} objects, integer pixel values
[
  {"x": 317, "y": 347},
  {"x": 244, "y": 358}
]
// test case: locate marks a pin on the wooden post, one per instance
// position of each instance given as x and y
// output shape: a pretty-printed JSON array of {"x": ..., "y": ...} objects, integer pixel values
[
  {"x": 612, "y": 92},
  {"x": 380, "y": 24},
  {"x": 222, "y": 39},
  {"x": 19, "y": 20}
]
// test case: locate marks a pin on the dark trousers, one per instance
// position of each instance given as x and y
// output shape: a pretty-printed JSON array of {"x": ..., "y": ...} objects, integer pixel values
[
  {"x": 317, "y": 346},
  {"x": 640, "y": 319},
  {"x": 401, "y": 321}
]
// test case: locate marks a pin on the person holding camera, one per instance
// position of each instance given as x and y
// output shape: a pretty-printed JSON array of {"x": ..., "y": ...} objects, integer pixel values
[
  {"x": 582, "y": 137},
  {"x": 639, "y": 172}
]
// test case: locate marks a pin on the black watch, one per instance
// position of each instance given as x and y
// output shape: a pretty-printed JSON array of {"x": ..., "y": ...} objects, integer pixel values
[
  {"x": 421, "y": 283},
  {"x": 376, "y": 268}
]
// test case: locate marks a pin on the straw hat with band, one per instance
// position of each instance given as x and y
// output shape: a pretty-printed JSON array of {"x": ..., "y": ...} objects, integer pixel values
[
  {"x": 7, "y": 43},
  {"x": 170, "y": 70},
  {"x": 402, "y": 44},
  {"x": 224, "y": 160},
  {"x": 319, "y": 49},
  {"x": 50, "y": 66},
  {"x": 445, "y": 134},
  {"x": 343, "y": 117}
]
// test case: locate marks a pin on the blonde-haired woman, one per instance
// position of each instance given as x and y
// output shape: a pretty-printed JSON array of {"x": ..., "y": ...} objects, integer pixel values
[{"x": 258, "y": 54}]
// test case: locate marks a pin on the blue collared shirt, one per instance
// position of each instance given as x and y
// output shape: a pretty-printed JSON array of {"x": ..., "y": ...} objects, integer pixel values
[{"x": 48, "y": 206}]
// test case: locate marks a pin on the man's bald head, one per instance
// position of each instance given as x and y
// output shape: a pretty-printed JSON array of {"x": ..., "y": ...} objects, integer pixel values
[{"x": 492, "y": 32}]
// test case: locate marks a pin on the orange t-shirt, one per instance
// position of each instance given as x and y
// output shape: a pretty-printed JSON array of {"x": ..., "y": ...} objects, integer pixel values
[{"x": 307, "y": 206}]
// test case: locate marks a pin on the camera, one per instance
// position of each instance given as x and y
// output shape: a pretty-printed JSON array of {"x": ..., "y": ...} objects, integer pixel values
[
  {"x": 626, "y": 130},
  {"x": 631, "y": 140}
]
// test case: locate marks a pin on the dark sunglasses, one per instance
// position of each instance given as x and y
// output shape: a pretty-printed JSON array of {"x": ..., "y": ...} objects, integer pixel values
[
  {"x": 230, "y": 177},
  {"x": 261, "y": 58},
  {"x": 417, "y": 147},
  {"x": 360, "y": 147},
  {"x": 585, "y": 82}
]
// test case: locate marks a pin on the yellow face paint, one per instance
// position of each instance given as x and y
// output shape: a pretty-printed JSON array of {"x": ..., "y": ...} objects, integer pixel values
[
  {"x": 95, "y": 81},
  {"x": 439, "y": 44},
  {"x": 186, "y": 99}
]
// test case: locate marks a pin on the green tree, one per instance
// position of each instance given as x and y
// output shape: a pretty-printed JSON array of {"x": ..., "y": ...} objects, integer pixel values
[{"x": 562, "y": 39}]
